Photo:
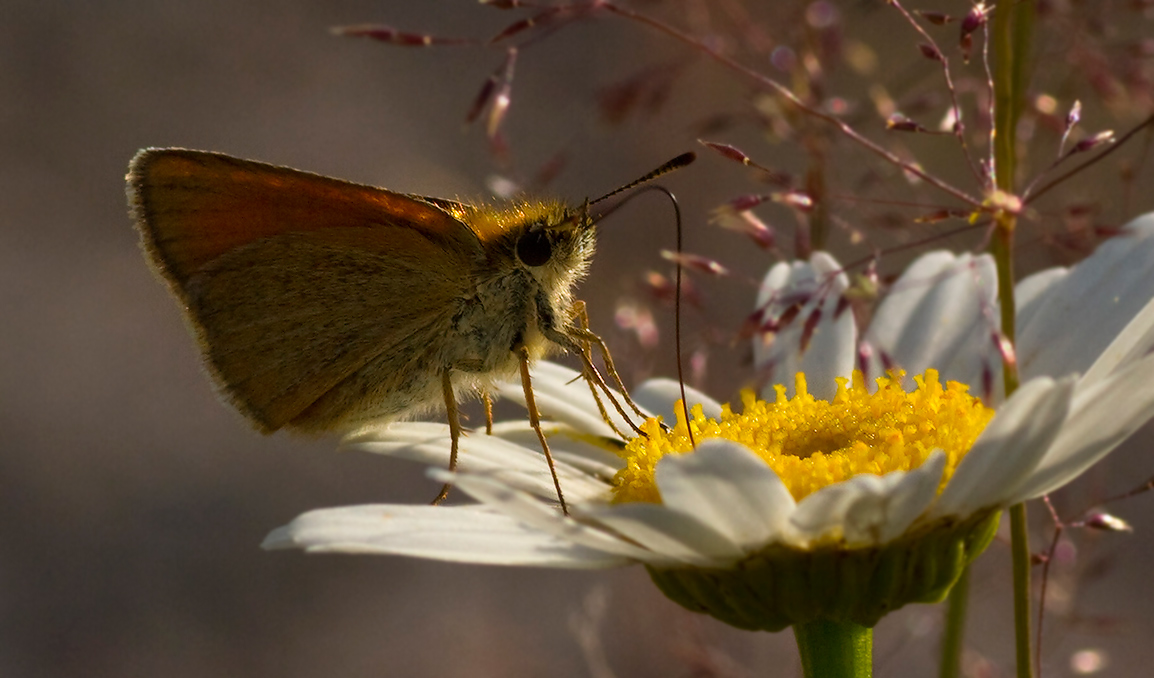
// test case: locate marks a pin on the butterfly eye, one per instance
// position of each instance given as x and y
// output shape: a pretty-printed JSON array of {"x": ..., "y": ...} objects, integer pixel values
[{"x": 534, "y": 248}]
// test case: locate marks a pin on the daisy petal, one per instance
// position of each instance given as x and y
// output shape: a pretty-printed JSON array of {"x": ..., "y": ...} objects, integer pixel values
[
  {"x": 823, "y": 513},
  {"x": 593, "y": 456},
  {"x": 409, "y": 432},
  {"x": 524, "y": 508},
  {"x": 1133, "y": 342},
  {"x": 680, "y": 538},
  {"x": 429, "y": 444},
  {"x": 911, "y": 496},
  {"x": 564, "y": 395},
  {"x": 1103, "y": 293},
  {"x": 521, "y": 465},
  {"x": 1099, "y": 421},
  {"x": 466, "y": 534},
  {"x": 729, "y": 488},
  {"x": 661, "y": 395},
  {"x": 939, "y": 314},
  {"x": 868, "y": 509},
  {"x": 1031, "y": 291},
  {"x": 1009, "y": 449},
  {"x": 821, "y": 337}
]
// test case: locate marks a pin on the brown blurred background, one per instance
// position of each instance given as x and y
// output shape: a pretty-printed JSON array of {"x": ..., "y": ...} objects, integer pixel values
[{"x": 132, "y": 503}]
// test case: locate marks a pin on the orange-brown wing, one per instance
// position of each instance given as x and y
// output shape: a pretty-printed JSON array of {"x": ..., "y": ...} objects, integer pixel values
[
  {"x": 294, "y": 282},
  {"x": 193, "y": 206}
]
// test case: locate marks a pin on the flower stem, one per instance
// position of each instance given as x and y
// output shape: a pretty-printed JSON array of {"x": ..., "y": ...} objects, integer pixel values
[
  {"x": 1020, "y": 547},
  {"x": 1002, "y": 249},
  {"x": 832, "y": 649},
  {"x": 1013, "y": 28},
  {"x": 951, "y": 663}
]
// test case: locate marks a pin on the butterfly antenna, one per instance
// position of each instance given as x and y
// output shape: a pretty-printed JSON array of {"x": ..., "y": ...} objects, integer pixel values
[
  {"x": 677, "y": 278},
  {"x": 674, "y": 164},
  {"x": 677, "y": 322}
]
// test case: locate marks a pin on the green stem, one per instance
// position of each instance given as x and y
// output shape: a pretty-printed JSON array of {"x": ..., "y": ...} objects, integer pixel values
[
  {"x": 1012, "y": 36},
  {"x": 955, "y": 627},
  {"x": 831, "y": 649},
  {"x": 1002, "y": 249},
  {"x": 1020, "y": 547},
  {"x": 1012, "y": 29}
]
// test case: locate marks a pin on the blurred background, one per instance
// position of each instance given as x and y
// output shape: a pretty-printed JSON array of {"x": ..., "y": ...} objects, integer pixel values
[{"x": 133, "y": 503}]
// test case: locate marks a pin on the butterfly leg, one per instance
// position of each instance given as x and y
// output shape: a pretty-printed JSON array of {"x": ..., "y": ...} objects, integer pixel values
[
  {"x": 454, "y": 417},
  {"x": 592, "y": 338},
  {"x": 487, "y": 401},
  {"x": 535, "y": 422},
  {"x": 577, "y": 340},
  {"x": 587, "y": 358}
]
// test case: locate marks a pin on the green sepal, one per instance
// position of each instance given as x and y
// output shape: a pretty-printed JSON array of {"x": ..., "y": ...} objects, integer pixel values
[{"x": 781, "y": 586}]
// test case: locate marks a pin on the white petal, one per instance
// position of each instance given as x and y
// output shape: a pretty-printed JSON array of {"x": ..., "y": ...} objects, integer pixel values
[
  {"x": 867, "y": 509},
  {"x": 1009, "y": 449},
  {"x": 537, "y": 515},
  {"x": 817, "y": 287},
  {"x": 1102, "y": 417},
  {"x": 729, "y": 488},
  {"x": 430, "y": 445},
  {"x": 912, "y": 494},
  {"x": 593, "y": 456},
  {"x": 1031, "y": 291},
  {"x": 1077, "y": 316},
  {"x": 913, "y": 499},
  {"x": 519, "y": 465},
  {"x": 823, "y": 513},
  {"x": 679, "y": 538},
  {"x": 466, "y": 534},
  {"x": 1132, "y": 343},
  {"x": 563, "y": 394},
  {"x": 941, "y": 314},
  {"x": 411, "y": 432},
  {"x": 660, "y": 395}
]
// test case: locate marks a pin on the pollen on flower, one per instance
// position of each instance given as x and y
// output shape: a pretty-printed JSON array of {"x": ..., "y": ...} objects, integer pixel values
[{"x": 812, "y": 443}]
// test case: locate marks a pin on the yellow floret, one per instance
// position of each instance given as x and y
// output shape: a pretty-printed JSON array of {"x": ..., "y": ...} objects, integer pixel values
[{"x": 812, "y": 443}]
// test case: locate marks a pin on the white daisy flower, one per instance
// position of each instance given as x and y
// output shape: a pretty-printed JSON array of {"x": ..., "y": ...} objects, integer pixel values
[{"x": 841, "y": 502}]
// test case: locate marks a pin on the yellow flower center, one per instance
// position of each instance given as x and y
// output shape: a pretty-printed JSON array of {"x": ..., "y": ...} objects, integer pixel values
[{"x": 812, "y": 443}]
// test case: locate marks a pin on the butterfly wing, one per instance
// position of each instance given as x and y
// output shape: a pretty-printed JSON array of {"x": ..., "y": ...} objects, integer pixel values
[{"x": 316, "y": 302}]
